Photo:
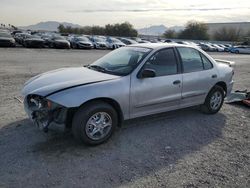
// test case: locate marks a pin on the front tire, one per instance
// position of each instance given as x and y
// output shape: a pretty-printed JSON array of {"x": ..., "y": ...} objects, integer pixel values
[
  {"x": 94, "y": 123},
  {"x": 214, "y": 100}
]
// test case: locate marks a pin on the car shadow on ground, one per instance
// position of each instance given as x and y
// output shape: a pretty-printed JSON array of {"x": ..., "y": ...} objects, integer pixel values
[{"x": 141, "y": 147}]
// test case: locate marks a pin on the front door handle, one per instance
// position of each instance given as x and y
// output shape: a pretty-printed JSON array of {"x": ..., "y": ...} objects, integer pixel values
[
  {"x": 176, "y": 82},
  {"x": 214, "y": 76}
]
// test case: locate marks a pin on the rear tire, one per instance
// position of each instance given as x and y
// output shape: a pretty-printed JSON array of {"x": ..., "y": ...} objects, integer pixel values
[
  {"x": 214, "y": 100},
  {"x": 96, "y": 117}
]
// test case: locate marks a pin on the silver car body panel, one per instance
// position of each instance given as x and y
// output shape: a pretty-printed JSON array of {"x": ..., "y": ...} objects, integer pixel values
[
  {"x": 72, "y": 87},
  {"x": 60, "y": 79}
]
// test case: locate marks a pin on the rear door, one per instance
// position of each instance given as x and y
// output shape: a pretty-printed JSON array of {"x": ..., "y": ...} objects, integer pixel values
[
  {"x": 160, "y": 93},
  {"x": 199, "y": 76}
]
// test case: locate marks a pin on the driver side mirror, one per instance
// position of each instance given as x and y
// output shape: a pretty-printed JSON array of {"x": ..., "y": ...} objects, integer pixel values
[{"x": 147, "y": 73}]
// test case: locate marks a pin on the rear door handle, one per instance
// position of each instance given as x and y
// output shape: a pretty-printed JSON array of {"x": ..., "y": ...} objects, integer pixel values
[
  {"x": 214, "y": 76},
  {"x": 176, "y": 82}
]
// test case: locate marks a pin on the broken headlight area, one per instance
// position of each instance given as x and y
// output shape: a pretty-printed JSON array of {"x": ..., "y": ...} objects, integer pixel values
[{"x": 44, "y": 112}]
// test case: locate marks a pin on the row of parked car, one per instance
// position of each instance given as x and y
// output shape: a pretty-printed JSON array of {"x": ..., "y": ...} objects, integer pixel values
[
  {"x": 53, "y": 40},
  {"x": 211, "y": 47},
  {"x": 243, "y": 49},
  {"x": 41, "y": 40}
]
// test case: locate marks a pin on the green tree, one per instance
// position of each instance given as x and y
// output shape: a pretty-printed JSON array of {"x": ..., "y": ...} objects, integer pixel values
[
  {"x": 124, "y": 29},
  {"x": 97, "y": 30},
  {"x": 61, "y": 28},
  {"x": 170, "y": 34},
  {"x": 195, "y": 30}
]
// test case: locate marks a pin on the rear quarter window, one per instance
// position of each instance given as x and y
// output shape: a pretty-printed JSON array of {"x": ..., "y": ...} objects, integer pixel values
[{"x": 206, "y": 62}]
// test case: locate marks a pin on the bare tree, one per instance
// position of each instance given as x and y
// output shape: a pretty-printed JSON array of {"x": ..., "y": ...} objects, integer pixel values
[{"x": 228, "y": 34}]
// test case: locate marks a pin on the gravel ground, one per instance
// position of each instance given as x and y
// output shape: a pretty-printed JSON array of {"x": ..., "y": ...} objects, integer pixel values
[{"x": 184, "y": 148}]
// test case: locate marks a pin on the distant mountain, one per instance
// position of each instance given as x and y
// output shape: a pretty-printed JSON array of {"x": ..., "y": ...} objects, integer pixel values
[
  {"x": 157, "y": 30},
  {"x": 153, "y": 30},
  {"x": 48, "y": 26}
]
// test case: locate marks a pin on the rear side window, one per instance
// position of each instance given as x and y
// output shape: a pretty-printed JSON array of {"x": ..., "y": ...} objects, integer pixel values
[
  {"x": 163, "y": 62},
  {"x": 206, "y": 62},
  {"x": 191, "y": 60}
]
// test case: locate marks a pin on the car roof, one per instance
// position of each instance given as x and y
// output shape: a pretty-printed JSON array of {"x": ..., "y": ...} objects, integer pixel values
[{"x": 160, "y": 45}]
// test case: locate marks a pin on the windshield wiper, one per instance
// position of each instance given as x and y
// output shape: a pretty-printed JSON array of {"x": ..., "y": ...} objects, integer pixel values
[
  {"x": 102, "y": 69},
  {"x": 98, "y": 68}
]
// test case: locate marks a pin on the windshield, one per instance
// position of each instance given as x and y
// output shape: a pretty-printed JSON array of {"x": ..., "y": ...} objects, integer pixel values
[
  {"x": 7, "y": 35},
  {"x": 131, "y": 41},
  {"x": 58, "y": 38},
  {"x": 82, "y": 39},
  {"x": 121, "y": 61},
  {"x": 115, "y": 40},
  {"x": 99, "y": 39},
  {"x": 32, "y": 37}
]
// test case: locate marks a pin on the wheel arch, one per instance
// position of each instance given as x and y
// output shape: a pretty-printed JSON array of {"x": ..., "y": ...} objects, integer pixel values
[
  {"x": 223, "y": 85},
  {"x": 110, "y": 101}
]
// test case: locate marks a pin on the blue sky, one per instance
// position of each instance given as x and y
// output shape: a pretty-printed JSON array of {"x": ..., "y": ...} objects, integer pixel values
[{"x": 140, "y": 13}]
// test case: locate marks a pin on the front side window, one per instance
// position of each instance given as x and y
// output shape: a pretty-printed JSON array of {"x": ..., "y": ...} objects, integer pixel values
[
  {"x": 163, "y": 63},
  {"x": 191, "y": 60}
]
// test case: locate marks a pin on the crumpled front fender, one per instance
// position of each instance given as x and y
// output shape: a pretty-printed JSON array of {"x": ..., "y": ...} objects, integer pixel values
[{"x": 117, "y": 90}]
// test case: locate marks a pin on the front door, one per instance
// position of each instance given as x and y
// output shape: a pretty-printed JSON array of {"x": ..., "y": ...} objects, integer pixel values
[{"x": 159, "y": 93}]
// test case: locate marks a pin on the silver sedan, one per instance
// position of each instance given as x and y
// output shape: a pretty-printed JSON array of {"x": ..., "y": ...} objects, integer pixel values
[{"x": 129, "y": 82}]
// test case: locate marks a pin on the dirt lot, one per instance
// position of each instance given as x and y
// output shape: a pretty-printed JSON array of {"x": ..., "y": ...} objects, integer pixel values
[{"x": 184, "y": 148}]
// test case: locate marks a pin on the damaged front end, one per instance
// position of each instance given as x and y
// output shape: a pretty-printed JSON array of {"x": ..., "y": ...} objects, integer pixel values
[{"x": 44, "y": 112}]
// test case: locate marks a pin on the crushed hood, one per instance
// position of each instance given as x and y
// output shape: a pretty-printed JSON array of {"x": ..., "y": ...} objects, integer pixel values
[{"x": 60, "y": 79}]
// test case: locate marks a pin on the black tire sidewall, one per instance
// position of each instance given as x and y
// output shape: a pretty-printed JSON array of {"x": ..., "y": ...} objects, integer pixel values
[
  {"x": 82, "y": 116},
  {"x": 207, "y": 105}
]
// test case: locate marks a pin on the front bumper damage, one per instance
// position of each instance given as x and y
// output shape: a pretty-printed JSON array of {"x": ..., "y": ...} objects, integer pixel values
[{"x": 44, "y": 112}]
